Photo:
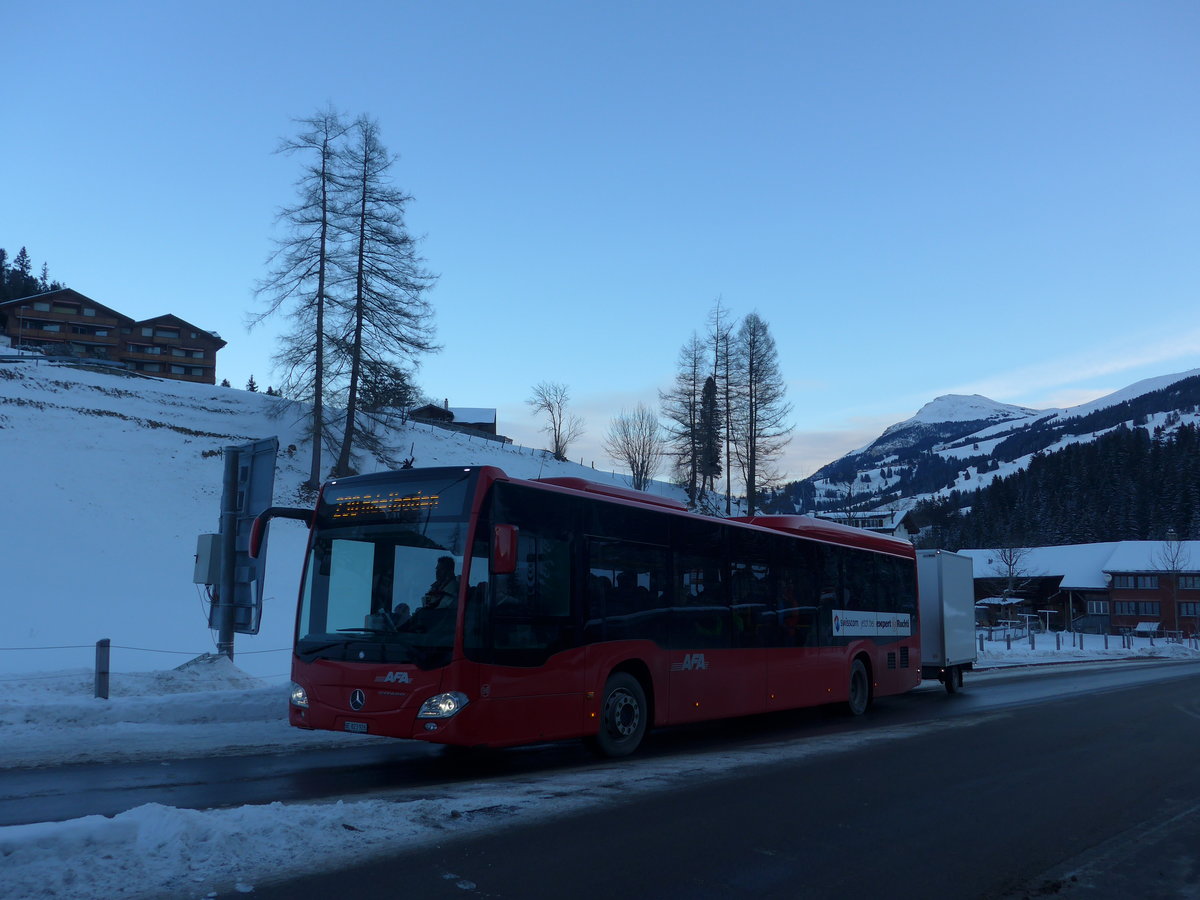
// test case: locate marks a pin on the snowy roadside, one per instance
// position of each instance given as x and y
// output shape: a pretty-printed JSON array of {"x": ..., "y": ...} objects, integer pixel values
[
  {"x": 214, "y": 709},
  {"x": 160, "y": 851}
]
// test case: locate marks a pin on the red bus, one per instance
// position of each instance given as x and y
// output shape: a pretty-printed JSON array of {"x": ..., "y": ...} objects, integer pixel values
[{"x": 465, "y": 607}]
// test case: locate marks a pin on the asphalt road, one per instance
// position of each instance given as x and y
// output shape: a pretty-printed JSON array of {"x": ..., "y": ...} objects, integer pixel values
[{"x": 1093, "y": 795}]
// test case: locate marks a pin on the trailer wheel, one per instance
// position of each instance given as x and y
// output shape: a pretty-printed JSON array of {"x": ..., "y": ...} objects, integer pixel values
[
  {"x": 860, "y": 689},
  {"x": 623, "y": 716},
  {"x": 952, "y": 679}
]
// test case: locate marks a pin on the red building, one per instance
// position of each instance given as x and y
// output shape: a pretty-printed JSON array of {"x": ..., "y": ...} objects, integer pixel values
[
  {"x": 66, "y": 323},
  {"x": 1149, "y": 587}
]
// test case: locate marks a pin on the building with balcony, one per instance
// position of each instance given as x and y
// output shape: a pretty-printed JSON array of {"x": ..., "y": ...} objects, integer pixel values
[{"x": 66, "y": 323}]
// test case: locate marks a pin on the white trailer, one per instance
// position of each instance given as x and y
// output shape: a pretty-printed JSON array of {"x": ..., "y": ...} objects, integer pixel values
[{"x": 946, "y": 602}]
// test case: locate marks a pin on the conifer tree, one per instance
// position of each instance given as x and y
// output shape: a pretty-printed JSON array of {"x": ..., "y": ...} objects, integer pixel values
[
  {"x": 759, "y": 415},
  {"x": 301, "y": 274},
  {"x": 386, "y": 319},
  {"x": 681, "y": 409}
]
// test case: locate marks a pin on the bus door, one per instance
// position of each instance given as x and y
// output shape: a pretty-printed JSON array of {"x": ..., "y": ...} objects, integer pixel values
[
  {"x": 797, "y": 663},
  {"x": 524, "y": 631},
  {"x": 717, "y": 668}
]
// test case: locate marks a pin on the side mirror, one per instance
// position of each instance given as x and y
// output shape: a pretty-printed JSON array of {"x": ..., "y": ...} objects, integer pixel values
[
  {"x": 258, "y": 531},
  {"x": 504, "y": 549}
]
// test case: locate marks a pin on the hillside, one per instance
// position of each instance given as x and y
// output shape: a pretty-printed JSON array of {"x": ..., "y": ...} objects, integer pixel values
[
  {"x": 109, "y": 480},
  {"x": 956, "y": 444}
]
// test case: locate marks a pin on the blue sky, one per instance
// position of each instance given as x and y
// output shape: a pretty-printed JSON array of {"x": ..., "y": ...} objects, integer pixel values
[{"x": 920, "y": 198}]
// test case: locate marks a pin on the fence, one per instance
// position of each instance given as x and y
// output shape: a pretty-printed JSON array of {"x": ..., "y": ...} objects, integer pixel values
[
  {"x": 101, "y": 651},
  {"x": 1124, "y": 641}
]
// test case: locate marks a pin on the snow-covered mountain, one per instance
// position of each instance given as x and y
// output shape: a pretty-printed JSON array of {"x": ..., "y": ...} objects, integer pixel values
[
  {"x": 961, "y": 442},
  {"x": 110, "y": 477},
  {"x": 941, "y": 420}
]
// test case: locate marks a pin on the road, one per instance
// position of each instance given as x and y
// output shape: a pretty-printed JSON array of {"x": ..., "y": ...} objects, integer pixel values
[
  {"x": 1078, "y": 783},
  {"x": 1094, "y": 795}
]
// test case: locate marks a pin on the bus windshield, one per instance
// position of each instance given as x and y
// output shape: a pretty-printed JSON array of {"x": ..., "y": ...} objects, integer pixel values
[{"x": 382, "y": 578}]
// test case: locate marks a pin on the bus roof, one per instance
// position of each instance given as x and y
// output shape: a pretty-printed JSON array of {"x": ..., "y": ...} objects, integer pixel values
[{"x": 833, "y": 533}]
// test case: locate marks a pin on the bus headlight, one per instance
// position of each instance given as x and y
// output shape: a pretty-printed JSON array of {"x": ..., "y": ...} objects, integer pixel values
[
  {"x": 299, "y": 697},
  {"x": 443, "y": 706}
]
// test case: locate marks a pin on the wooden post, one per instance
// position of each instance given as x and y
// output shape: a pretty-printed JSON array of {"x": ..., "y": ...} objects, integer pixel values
[{"x": 102, "y": 651}]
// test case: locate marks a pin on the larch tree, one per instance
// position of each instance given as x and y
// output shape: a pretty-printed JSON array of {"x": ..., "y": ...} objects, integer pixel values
[
  {"x": 759, "y": 415},
  {"x": 635, "y": 439},
  {"x": 681, "y": 409},
  {"x": 385, "y": 319},
  {"x": 301, "y": 269},
  {"x": 550, "y": 398},
  {"x": 720, "y": 341}
]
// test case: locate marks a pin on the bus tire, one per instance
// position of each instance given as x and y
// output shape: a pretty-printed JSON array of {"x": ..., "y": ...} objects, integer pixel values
[
  {"x": 860, "y": 689},
  {"x": 623, "y": 716},
  {"x": 953, "y": 680}
]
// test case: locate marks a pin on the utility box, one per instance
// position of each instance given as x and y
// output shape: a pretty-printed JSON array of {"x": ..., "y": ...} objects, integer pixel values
[
  {"x": 208, "y": 559},
  {"x": 946, "y": 597}
]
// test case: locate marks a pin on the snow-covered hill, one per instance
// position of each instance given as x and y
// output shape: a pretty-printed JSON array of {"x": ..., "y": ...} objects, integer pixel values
[
  {"x": 961, "y": 442},
  {"x": 108, "y": 480}
]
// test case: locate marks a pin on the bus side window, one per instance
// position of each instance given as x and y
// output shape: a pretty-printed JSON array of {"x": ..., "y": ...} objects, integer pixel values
[{"x": 531, "y": 608}]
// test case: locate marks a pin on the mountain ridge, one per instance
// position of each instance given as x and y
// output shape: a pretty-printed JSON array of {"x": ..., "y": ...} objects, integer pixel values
[{"x": 961, "y": 442}]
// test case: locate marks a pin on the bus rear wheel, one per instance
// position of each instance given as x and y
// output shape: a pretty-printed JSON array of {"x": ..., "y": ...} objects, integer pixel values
[
  {"x": 623, "y": 716},
  {"x": 860, "y": 689}
]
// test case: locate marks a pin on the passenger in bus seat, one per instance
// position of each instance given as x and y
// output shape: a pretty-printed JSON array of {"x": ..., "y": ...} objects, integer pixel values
[
  {"x": 437, "y": 605},
  {"x": 443, "y": 593}
]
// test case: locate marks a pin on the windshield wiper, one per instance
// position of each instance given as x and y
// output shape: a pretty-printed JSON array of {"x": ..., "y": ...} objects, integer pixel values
[{"x": 364, "y": 631}]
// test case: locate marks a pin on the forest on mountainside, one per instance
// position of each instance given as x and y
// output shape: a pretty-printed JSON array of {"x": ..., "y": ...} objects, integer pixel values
[{"x": 1125, "y": 485}]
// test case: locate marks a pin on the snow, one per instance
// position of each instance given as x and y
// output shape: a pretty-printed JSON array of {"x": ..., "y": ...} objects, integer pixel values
[
  {"x": 963, "y": 408},
  {"x": 1087, "y": 566},
  {"x": 110, "y": 480},
  {"x": 212, "y": 708}
]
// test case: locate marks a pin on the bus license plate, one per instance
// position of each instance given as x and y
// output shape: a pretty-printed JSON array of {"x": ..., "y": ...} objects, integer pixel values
[{"x": 358, "y": 727}]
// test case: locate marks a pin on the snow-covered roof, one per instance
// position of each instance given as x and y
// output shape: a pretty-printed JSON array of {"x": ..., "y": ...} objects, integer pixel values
[
  {"x": 473, "y": 414},
  {"x": 1147, "y": 556},
  {"x": 1084, "y": 566},
  {"x": 999, "y": 601}
]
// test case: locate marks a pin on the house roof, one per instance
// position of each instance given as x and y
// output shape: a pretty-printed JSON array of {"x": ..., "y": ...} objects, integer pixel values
[
  {"x": 75, "y": 296},
  {"x": 67, "y": 294},
  {"x": 476, "y": 415},
  {"x": 1084, "y": 567},
  {"x": 463, "y": 415},
  {"x": 175, "y": 320}
]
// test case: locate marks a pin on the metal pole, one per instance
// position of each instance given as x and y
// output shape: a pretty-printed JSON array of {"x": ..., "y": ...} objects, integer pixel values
[
  {"x": 229, "y": 514},
  {"x": 102, "y": 652}
]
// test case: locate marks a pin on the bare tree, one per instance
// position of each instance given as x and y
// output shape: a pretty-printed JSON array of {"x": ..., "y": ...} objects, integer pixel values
[
  {"x": 300, "y": 269},
  {"x": 1172, "y": 558},
  {"x": 636, "y": 440},
  {"x": 388, "y": 317},
  {"x": 562, "y": 426},
  {"x": 758, "y": 418},
  {"x": 1012, "y": 569}
]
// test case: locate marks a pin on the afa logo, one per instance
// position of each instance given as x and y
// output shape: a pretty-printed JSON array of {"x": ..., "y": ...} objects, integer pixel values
[
  {"x": 394, "y": 678},
  {"x": 837, "y": 624},
  {"x": 691, "y": 663}
]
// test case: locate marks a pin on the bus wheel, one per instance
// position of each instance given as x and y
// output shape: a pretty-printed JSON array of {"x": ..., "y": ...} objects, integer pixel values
[
  {"x": 623, "y": 716},
  {"x": 952, "y": 682},
  {"x": 860, "y": 689}
]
